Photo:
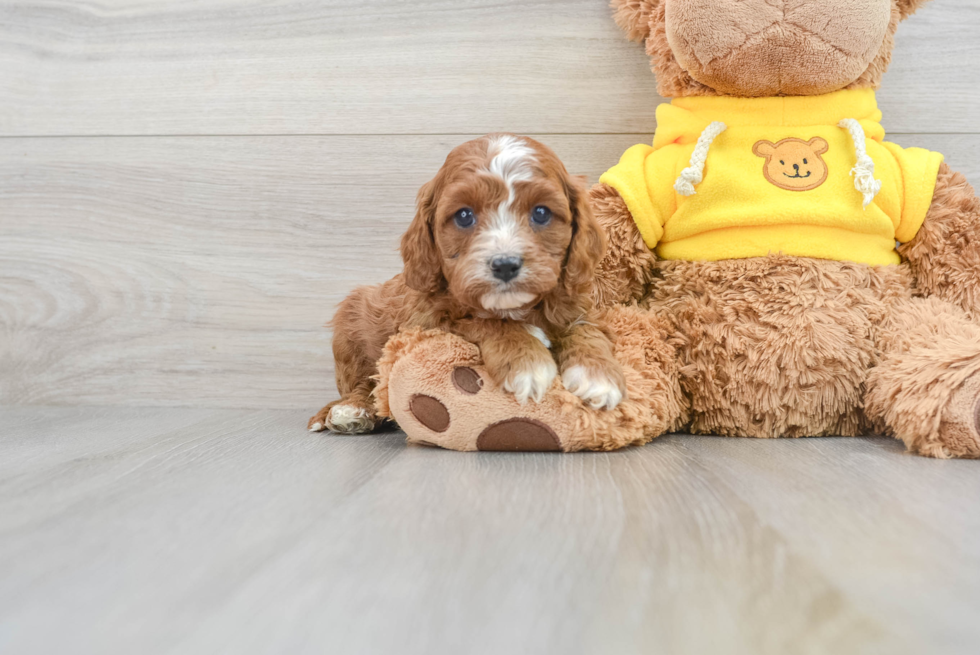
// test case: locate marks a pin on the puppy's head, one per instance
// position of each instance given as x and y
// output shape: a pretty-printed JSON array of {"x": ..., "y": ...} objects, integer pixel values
[{"x": 502, "y": 226}]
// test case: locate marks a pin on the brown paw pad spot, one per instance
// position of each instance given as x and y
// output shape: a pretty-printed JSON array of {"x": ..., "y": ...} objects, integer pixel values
[
  {"x": 467, "y": 381},
  {"x": 430, "y": 412},
  {"x": 518, "y": 434}
]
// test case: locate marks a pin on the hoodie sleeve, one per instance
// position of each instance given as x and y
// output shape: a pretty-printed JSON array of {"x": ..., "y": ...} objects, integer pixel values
[
  {"x": 919, "y": 169},
  {"x": 644, "y": 179}
]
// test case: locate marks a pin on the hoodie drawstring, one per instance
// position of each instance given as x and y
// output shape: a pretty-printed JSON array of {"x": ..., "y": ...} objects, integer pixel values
[
  {"x": 864, "y": 169},
  {"x": 694, "y": 173}
]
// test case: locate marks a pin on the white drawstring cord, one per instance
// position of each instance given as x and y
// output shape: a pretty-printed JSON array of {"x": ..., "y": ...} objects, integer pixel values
[
  {"x": 694, "y": 173},
  {"x": 864, "y": 169}
]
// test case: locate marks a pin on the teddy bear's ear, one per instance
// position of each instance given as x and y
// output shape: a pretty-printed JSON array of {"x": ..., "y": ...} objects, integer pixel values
[
  {"x": 818, "y": 145},
  {"x": 908, "y": 7},
  {"x": 634, "y": 17},
  {"x": 764, "y": 148}
]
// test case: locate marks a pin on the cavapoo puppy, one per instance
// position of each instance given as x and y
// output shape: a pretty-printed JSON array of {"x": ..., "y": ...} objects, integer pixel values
[{"x": 501, "y": 252}]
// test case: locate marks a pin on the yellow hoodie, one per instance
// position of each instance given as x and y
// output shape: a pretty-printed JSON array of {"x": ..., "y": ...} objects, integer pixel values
[{"x": 780, "y": 175}]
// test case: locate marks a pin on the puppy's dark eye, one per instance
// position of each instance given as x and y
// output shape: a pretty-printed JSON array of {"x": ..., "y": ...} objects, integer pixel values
[
  {"x": 540, "y": 215},
  {"x": 464, "y": 218}
]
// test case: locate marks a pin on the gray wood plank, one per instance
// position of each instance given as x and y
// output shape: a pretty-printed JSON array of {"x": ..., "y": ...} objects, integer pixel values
[
  {"x": 240, "y": 532},
  {"x": 200, "y": 271},
  {"x": 149, "y": 538},
  {"x": 32, "y": 440},
  {"x": 902, "y": 541},
  {"x": 346, "y": 67}
]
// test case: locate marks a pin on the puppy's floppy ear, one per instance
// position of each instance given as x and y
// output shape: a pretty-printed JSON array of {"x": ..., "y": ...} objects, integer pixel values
[
  {"x": 634, "y": 17},
  {"x": 908, "y": 7},
  {"x": 588, "y": 239},
  {"x": 423, "y": 270}
]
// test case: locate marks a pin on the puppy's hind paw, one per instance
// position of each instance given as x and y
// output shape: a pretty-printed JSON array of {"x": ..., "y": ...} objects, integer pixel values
[
  {"x": 347, "y": 419},
  {"x": 532, "y": 382},
  {"x": 594, "y": 387}
]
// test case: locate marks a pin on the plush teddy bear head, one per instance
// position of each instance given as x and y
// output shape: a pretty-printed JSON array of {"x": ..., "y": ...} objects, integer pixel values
[{"x": 755, "y": 48}]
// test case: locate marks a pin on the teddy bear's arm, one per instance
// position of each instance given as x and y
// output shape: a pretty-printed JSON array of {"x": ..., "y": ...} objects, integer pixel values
[
  {"x": 945, "y": 253},
  {"x": 627, "y": 267}
]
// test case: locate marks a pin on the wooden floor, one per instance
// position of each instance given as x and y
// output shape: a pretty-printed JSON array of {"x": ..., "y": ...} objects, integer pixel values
[{"x": 150, "y": 531}]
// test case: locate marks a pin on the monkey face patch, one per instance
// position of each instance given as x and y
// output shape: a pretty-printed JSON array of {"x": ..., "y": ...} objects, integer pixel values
[{"x": 794, "y": 164}]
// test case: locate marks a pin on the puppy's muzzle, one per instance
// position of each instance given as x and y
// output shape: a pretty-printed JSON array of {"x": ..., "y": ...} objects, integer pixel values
[{"x": 507, "y": 268}]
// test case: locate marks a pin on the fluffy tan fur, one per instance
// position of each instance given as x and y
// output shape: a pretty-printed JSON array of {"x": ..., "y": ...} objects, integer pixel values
[
  {"x": 930, "y": 351},
  {"x": 623, "y": 274},
  {"x": 944, "y": 256}
]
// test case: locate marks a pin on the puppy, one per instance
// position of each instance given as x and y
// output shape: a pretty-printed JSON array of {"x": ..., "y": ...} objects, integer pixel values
[{"x": 501, "y": 252}]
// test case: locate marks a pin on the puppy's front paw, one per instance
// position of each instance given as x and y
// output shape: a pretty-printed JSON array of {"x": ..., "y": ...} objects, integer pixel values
[
  {"x": 595, "y": 387},
  {"x": 531, "y": 380}
]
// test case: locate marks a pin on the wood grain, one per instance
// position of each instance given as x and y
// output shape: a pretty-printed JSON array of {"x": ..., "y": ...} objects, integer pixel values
[
  {"x": 388, "y": 67},
  {"x": 199, "y": 531},
  {"x": 200, "y": 271}
]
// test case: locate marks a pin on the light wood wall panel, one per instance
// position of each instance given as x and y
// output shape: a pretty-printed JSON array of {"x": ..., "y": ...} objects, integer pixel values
[
  {"x": 200, "y": 270},
  {"x": 141, "y": 67}
]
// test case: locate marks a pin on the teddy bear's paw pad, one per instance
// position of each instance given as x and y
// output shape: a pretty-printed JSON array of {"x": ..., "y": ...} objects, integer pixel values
[
  {"x": 347, "y": 419},
  {"x": 467, "y": 381},
  {"x": 518, "y": 434},
  {"x": 430, "y": 412}
]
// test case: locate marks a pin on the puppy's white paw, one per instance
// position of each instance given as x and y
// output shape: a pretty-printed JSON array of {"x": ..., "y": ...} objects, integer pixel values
[
  {"x": 349, "y": 420},
  {"x": 532, "y": 382},
  {"x": 592, "y": 386}
]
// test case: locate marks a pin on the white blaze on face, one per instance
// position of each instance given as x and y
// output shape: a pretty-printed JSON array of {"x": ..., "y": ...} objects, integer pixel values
[{"x": 511, "y": 161}]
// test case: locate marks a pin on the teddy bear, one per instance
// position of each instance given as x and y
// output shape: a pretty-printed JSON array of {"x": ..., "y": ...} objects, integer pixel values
[{"x": 775, "y": 267}]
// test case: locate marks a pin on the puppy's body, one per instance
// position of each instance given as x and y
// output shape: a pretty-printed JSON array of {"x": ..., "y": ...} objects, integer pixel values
[{"x": 501, "y": 252}]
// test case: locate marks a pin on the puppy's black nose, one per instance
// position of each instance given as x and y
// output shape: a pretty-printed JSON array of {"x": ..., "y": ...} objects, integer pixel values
[{"x": 506, "y": 269}]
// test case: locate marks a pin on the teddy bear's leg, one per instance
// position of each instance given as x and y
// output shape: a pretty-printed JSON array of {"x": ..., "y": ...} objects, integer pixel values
[
  {"x": 926, "y": 388},
  {"x": 434, "y": 385}
]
